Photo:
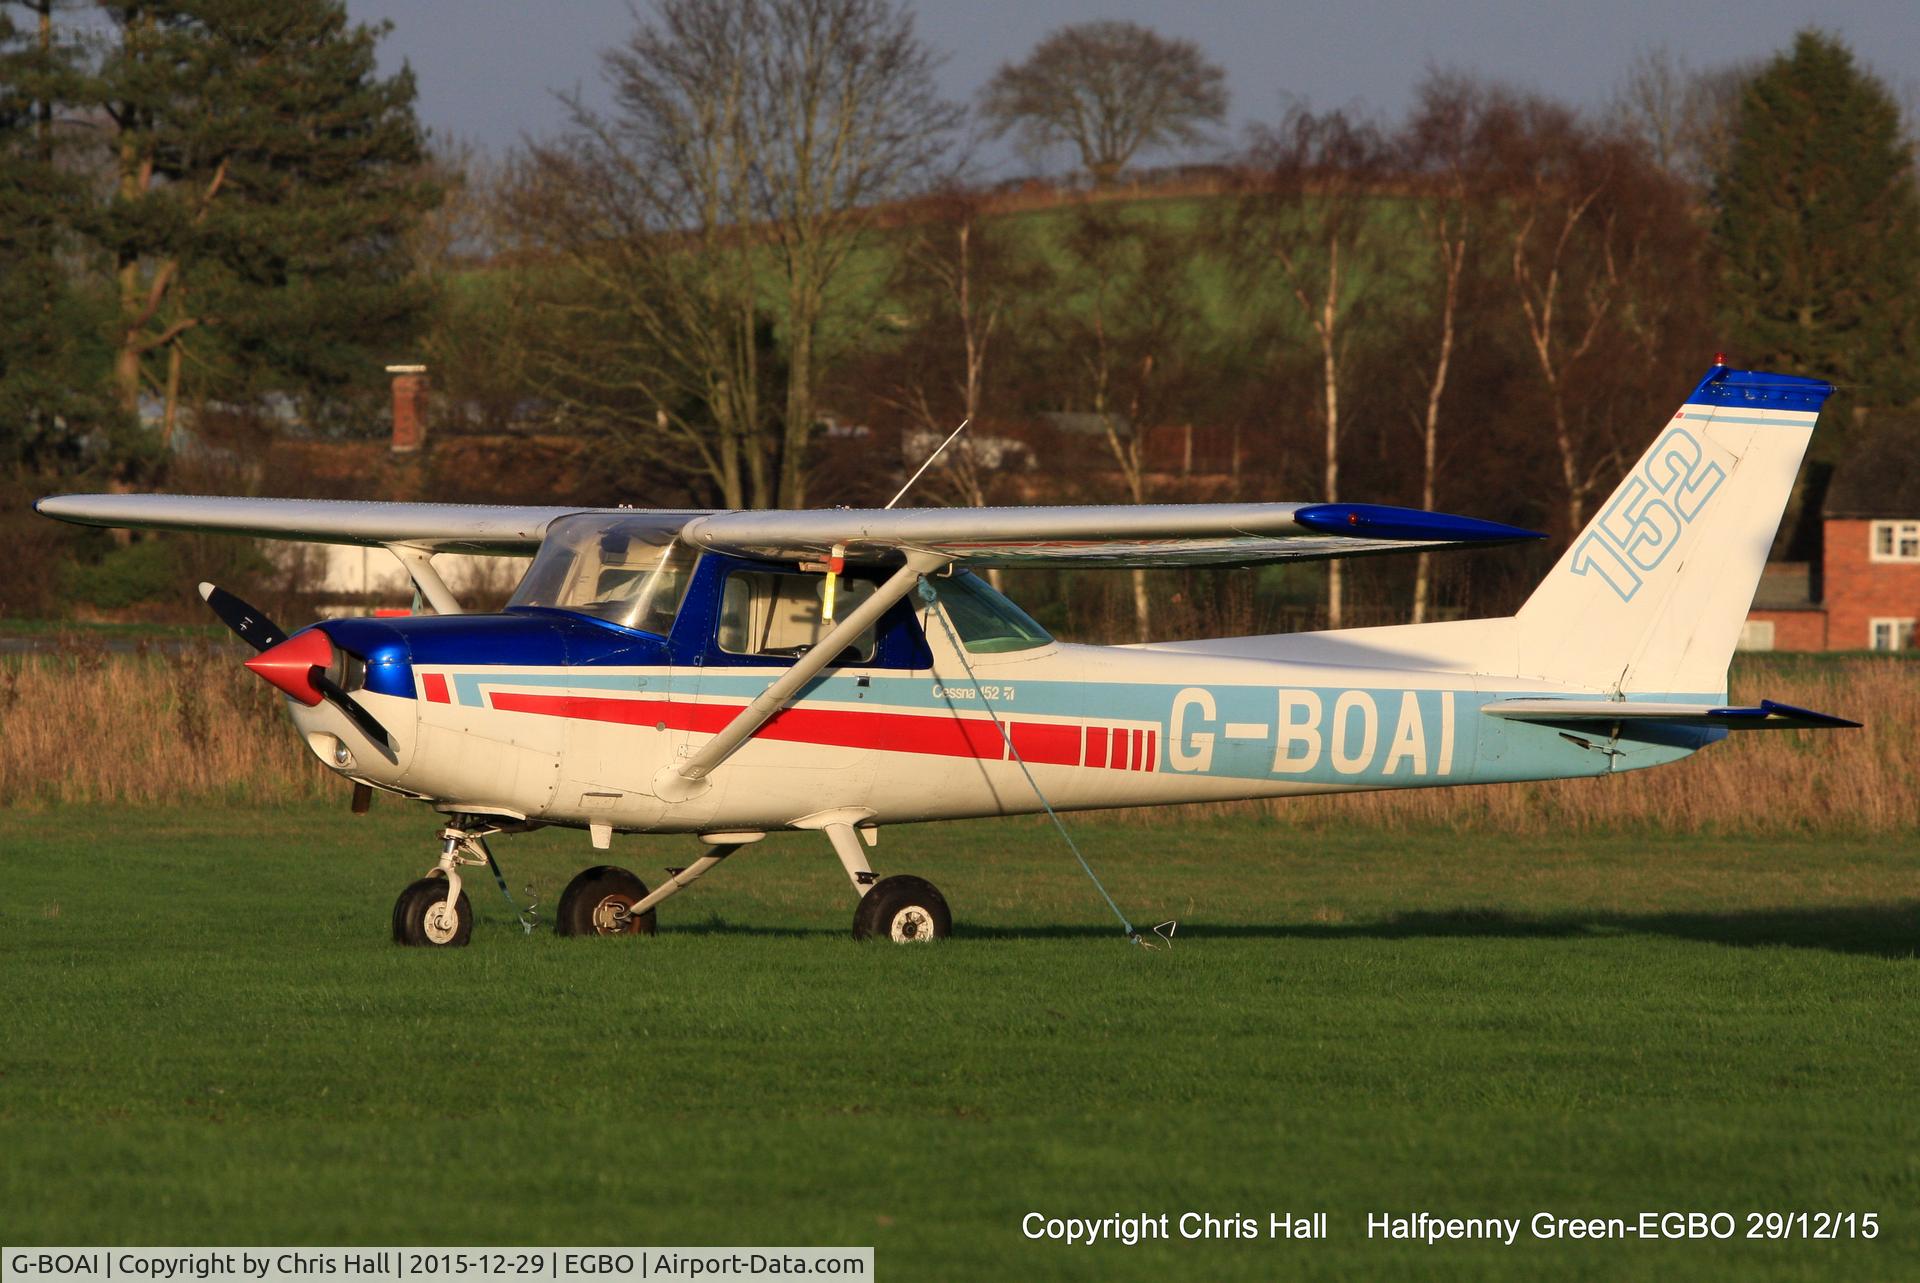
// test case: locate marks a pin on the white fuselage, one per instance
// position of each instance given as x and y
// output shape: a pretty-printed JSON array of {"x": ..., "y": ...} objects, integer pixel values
[{"x": 1096, "y": 727}]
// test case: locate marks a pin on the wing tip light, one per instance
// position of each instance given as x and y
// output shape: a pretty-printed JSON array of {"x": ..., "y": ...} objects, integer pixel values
[{"x": 1380, "y": 521}]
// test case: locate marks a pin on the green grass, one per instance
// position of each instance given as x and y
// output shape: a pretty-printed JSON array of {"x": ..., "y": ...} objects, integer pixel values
[{"x": 208, "y": 1039}]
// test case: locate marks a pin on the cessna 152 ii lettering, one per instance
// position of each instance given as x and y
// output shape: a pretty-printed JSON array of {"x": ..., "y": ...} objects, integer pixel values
[{"x": 722, "y": 674}]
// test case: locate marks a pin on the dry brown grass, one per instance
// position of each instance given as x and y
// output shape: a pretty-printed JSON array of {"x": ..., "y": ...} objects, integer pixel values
[
  {"x": 84, "y": 726},
  {"x": 87, "y": 726}
]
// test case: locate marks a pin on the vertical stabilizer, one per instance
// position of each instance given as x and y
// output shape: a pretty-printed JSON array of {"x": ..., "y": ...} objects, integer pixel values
[{"x": 1652, "y": 594}]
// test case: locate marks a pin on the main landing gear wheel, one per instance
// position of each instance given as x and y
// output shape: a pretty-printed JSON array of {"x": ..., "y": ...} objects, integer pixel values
[
  {"x": 905, "y": 910},
  {"x": 596, "y": 903},
  {"x": 421, "y": 916}
]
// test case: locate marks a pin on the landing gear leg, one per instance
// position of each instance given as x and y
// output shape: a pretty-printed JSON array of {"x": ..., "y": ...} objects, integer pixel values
[
  {"x": 434, "y": 911},
  {"x": 853, "y": 858},
  {"x": 906, "y": 910}
]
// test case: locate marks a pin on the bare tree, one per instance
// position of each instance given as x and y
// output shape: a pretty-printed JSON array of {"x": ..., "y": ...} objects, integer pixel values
[
  {"x": 1108, "y": 89},
  {"x": 750, "y": 140},
  {"x": 480, "y": 336},
  {"x": 648, "y": 335},
  {"x": 948, "y": 273},
  {"x": 1652, "y": 101},
  {"x": 847, "y": 115},
  {"x": 1122, "y": 338},
  {"x": 958, "y": 279},
  {"x": 1603, "y": 256},
  {"x": 1438, "y": 149},
  {"x": 1684, "y": 114},
  {"x": 461, "y": 232},
  {"x": 1566, "y": 278},
  {"x": 1314, "y": 216}
]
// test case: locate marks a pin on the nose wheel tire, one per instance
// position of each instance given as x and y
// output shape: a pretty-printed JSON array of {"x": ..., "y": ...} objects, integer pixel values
[
  {"x": 597, "y": 903},
  {"x": 905, "y": 910},
  {"x": 421, "y": 916}
]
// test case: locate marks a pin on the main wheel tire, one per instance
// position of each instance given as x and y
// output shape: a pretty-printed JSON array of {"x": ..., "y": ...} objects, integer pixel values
[
  {"x": 420, "y": 916},
  {"x": 595, "y": 903},
  {"x": 905, "y": 910}
]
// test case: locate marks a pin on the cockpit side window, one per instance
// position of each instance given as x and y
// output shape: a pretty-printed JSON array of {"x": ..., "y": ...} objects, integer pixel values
[
  {"x": 629, "y": 571},
  {"x": 762, "y": 613}
]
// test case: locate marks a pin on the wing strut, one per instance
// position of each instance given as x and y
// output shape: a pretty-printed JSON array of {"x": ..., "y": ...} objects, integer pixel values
[
  {"x": 418, "y": 563},
  {"x": 689, "y": 778}
]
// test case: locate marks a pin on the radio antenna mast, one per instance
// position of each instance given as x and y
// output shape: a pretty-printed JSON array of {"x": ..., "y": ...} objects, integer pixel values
[{"x": 929, "y": 463}]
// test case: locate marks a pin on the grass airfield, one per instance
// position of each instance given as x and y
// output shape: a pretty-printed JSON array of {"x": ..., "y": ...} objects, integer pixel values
[{"x": 209, "y": 1039}]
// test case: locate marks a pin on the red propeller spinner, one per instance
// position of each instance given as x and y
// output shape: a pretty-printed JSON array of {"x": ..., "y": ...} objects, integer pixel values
[{"x": 290, "y": 665}]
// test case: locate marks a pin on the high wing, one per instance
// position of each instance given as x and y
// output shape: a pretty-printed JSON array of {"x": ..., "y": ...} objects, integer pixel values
[
  {"x": 1122, "y": 535},
  {"x": 1146, "y": 535},
  {"x": 441, "y": 527}
]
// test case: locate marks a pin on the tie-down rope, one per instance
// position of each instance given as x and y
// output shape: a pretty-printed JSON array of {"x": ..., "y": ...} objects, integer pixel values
[{"x": 928, "y": 595}]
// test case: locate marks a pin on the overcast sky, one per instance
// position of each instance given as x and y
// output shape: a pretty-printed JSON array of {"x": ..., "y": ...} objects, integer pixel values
[{"x": 488, "y": 69}]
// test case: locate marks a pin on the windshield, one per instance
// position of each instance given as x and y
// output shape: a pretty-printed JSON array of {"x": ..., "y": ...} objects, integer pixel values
[
  {"x": 987, "y": 622},
  {"x": 630, "y": 571}
]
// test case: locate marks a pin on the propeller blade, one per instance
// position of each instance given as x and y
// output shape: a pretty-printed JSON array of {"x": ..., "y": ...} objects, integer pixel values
[
  {"x": 298, "y": 668},
  {"x": 369, "y": 725},
  {"x": 254, "y": 628}
]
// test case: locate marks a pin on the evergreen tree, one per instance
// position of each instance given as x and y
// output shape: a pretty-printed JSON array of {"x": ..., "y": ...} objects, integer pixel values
[
  {"x": 53, "y": 360},
  {"x": 263, "y": 180},
  {"x": 1819, "y": 226}
]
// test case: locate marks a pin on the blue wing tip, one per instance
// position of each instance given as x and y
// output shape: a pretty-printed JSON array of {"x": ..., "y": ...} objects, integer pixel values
[{"x": 1379, "y": 521}]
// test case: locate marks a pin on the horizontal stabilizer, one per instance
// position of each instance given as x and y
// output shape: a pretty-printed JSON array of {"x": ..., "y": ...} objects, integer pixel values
[{"x": 1767, "y": 716}]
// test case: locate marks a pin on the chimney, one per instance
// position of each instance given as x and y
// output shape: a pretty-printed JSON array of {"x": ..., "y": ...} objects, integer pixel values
[{"x": 409, "y": 408}]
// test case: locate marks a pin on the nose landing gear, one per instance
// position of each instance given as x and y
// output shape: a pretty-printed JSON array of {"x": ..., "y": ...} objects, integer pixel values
[
  {"x": 434, "y": 911},
  {"x": 423, "y": 915}
]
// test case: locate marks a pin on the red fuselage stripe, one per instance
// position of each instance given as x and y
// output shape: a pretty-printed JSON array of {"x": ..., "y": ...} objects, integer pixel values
[{"x": 1047, "y": 743}]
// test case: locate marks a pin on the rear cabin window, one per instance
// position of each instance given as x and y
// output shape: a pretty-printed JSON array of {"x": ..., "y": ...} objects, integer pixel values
[
  {"x": 764, "y": 613},
  {"x": 987, "y": 622}
]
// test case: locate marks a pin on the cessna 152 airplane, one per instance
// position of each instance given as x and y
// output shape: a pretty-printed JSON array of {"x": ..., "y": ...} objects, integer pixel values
[{"x": 722, "y": 674}]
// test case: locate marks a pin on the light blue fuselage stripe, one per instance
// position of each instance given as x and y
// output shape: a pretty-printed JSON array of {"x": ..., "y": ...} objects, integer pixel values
[
  {"x": 468, "y": 684},
  {"x": 1484, "y": 749}
]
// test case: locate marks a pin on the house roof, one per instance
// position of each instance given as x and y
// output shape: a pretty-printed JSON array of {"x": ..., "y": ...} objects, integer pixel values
[{"x": 1880, "y": 473}]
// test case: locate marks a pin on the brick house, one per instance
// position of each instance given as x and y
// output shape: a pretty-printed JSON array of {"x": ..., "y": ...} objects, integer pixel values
[{"x": 1864, "y": 594}]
